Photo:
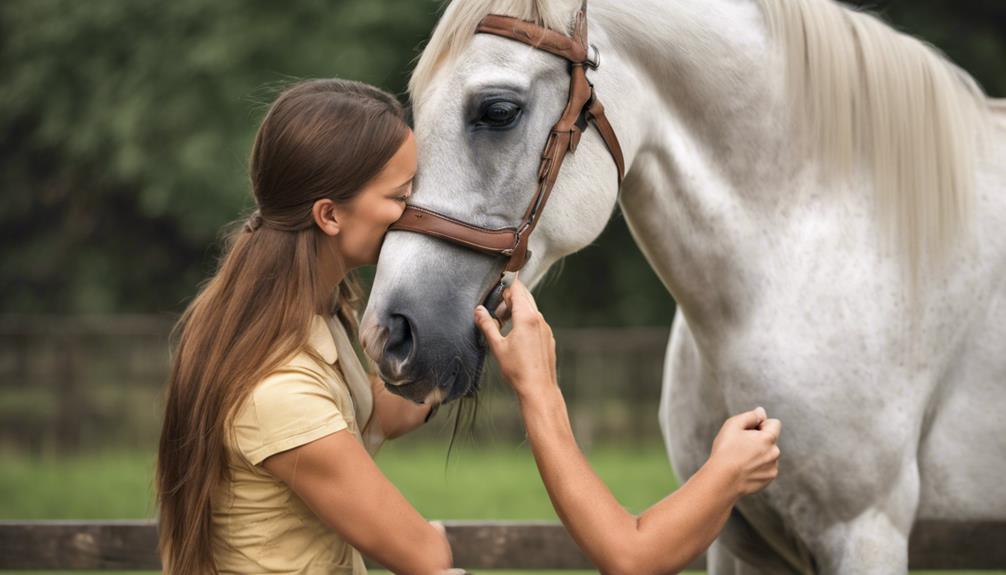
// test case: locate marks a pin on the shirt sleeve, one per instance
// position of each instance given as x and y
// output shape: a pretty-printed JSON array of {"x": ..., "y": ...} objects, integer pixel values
[{"x": 285, "y": 410}]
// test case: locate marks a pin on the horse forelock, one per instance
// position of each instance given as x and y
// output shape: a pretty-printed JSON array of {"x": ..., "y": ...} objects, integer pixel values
[{"x": 456, "y": 28}]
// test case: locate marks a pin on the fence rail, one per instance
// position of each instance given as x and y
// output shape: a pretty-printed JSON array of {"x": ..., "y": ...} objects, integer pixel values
[
  {"x": 132, "y": 545},
  {"x": 79, "y": 383}
]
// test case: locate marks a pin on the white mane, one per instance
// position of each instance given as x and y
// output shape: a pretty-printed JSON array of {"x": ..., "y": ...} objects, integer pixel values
[
  {"x": 867, "y": 94},
  {"x": 870, "y": 93}
]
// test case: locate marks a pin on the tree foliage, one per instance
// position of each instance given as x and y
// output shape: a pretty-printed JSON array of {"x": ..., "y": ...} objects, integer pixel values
[{"x": 128, "y": 124}]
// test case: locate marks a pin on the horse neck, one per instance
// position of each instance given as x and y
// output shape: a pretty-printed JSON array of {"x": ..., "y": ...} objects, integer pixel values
[{"x": 705, "y": 144}]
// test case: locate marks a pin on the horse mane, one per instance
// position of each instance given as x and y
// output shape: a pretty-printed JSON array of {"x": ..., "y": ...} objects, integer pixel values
[
  {"x": 870, "y": 94},
  {"x": 457, "y": 25},
  {"x": 866, "y": 94}
]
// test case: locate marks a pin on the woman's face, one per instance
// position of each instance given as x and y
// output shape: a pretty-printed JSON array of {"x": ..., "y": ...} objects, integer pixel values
[{"x": 364, "y": 221}]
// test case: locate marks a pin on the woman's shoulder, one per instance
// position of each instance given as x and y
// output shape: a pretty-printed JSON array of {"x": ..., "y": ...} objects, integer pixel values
[
  {"x": 302, "y": 364},
  {"x": 297, "y": 376},
  {"x": 288, "y": 407}
]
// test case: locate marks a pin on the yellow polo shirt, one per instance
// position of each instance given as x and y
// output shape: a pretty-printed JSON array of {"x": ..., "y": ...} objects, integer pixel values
[{"x": 259, "y": 524}]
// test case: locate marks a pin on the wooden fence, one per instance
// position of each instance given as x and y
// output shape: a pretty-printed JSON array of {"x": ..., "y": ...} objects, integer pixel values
[
  {"x": 132, "y": 545},
  {"x": 73, "y": 383}
]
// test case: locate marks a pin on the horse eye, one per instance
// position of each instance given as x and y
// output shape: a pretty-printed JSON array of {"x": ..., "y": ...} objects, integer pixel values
[{"x": 500, "y": 114}]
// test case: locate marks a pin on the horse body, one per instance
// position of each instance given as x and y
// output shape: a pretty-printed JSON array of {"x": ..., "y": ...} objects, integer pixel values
[
  {"x": 790, "y": 297},
  {"x": 880, "y": 429},
  {"x": 790, "y": 300}
]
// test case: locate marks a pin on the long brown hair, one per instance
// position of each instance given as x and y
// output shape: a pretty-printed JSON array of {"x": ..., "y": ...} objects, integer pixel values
[{"x": 319, "y": 139}]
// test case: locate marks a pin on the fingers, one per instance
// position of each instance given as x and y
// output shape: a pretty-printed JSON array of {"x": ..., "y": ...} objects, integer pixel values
[
  {"x": 527, "y": 293},
  {"x": 749, "y": 419},
  {"x": 775, "y": 453},
  {"x": 773, "y": 427},
  {"x": 439, "y": 527},
  {"x": 502, "y": 312},
  {"x": 488, "y": 326},
  {"x": 517, "y": 304},
  {"x": 771, "y": 466},
  {"x": 507, "y": 299},
  {"x": 521, "y": 302}
]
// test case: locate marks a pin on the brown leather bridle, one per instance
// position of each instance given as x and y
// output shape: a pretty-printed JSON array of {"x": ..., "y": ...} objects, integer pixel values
[{"x": 582, "y": 108}]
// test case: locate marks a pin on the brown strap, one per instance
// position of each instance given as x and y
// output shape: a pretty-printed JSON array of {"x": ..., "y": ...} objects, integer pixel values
[
  {"x": 495, "y": 242},
  {"x": 533, "y": 35},
  {"x": 600, "y": 120}
]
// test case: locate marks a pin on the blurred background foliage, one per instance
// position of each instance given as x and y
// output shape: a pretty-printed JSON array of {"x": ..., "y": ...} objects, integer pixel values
[{"x": 127, "y": 125}]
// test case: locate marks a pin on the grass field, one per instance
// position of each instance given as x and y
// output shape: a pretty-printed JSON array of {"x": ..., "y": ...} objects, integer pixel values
[
  {"x": 490, "y": 481},
  {"x": 498, "y": 482}
]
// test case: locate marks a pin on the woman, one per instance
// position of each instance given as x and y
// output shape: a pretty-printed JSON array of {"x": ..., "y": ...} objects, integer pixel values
[
  {"x": 666, "y": 537},
  {"x": 262, "y": 466}
]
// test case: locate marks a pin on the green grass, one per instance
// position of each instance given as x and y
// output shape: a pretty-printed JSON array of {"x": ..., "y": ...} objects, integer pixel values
[
  {"x": 502, "y": 482},
  {"x": 99, "y": 486},
  {"x": 488, "y": 481},
  {"x": 498, "y": 482}
]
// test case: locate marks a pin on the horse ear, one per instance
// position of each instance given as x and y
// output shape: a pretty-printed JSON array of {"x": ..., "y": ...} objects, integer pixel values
[{"x": 579, "y": 29}]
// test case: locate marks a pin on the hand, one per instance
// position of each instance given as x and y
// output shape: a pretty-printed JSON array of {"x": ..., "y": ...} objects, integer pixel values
[
  {"x": 746, "y": 447},
  {"x": 526, "y": 356},
  {"x": 395, "y": 416}
]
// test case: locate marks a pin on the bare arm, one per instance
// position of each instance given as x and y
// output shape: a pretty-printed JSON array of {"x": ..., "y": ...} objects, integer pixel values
[
  {"x": 343, "y": 486},
  {"x": 670, "y": 534},
  {"x": 663, "y": 539},
  {"x": 396, "y": 415}
]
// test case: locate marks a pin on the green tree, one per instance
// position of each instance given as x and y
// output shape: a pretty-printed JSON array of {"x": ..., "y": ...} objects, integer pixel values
[{"x": 127, "y": 126}]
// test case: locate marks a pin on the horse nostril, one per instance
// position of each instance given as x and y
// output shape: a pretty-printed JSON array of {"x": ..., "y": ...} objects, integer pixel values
[{"x": 400, "y": 339}]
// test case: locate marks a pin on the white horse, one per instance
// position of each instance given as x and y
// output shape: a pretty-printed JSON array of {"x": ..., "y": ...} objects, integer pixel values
[{"x": 822, "y": 196}]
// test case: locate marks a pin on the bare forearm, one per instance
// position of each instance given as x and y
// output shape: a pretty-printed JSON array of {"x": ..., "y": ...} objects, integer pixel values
[
  {"x": 344, "y": 488},
  {"x": 664, "y": 539},
  {"x": 403, "y": 542},
  {"x": 595, "y": 519},
  {"x": 681, "y": 526}
]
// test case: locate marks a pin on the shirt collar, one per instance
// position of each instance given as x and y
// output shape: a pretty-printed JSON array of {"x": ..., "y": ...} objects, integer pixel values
[{"x": 320, "y": 338}]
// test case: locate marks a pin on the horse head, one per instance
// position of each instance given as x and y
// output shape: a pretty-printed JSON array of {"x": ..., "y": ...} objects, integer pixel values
[{"x": 485, "y": 105}]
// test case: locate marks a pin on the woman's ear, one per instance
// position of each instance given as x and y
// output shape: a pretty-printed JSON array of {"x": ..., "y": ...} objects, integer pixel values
[{"x": 326, "y": 216}]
